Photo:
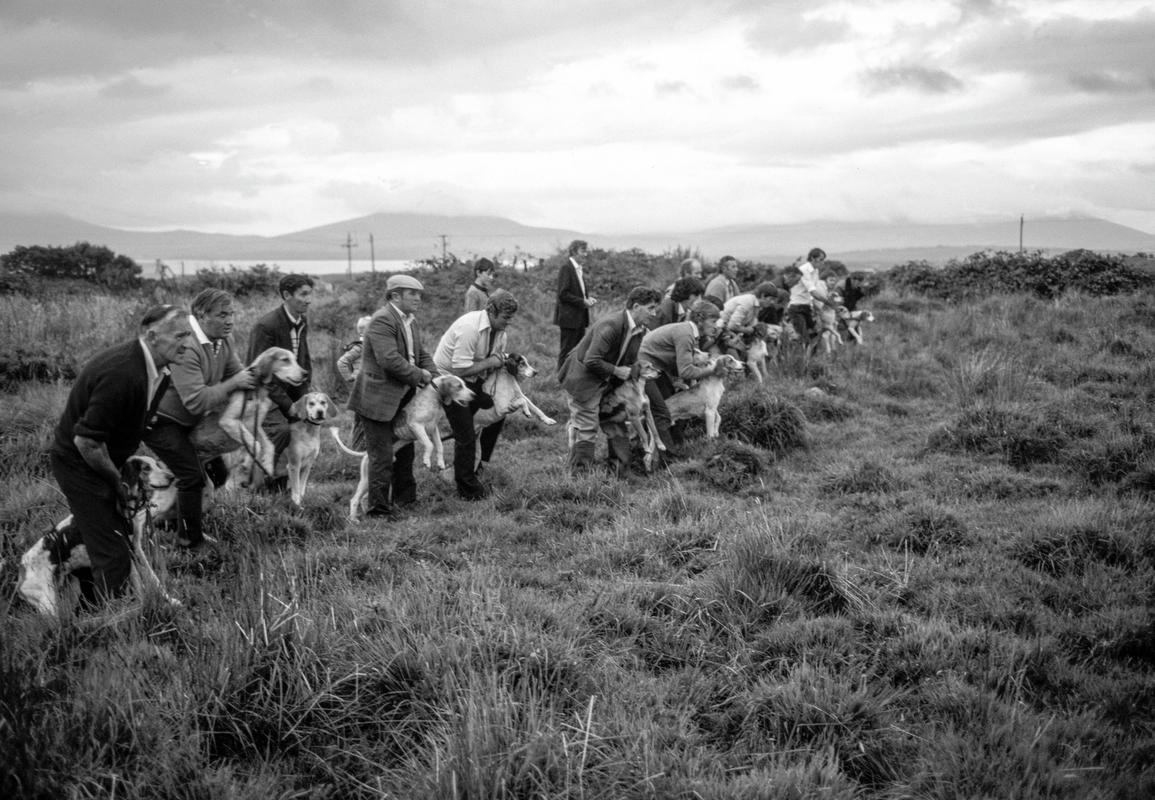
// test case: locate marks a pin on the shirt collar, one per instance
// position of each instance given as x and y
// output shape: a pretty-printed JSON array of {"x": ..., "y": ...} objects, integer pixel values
[
  {"x": 150, "y": 365},
  {"x": 575, "y": 263},
  {"x": 407, "y": 318},
  {"x": 478, "y": 286},
  {"x": 296, "y": 322},
  {"x": 198, "y": 331},
  {"x": 694, "y": 328}
]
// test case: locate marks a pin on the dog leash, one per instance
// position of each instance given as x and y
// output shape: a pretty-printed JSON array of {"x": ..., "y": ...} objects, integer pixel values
[{"x": 252, "y": 456}]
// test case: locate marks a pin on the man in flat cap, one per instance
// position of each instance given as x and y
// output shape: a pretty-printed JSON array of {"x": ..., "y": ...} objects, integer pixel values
[{"x": 393, "y": 366}]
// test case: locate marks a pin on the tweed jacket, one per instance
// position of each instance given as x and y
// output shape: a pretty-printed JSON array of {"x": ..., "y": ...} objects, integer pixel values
[
  {"x": 273, "y": 330},
  {"x": 589, "y": 368},
  {"x": 571, "y": 310},
  {"x": 107, "y": 403},
  {"x": 197, "y": 380},
  {"x": 386, "y": 373},
  {"x": 670, "y": 348},
  {"x": 669, "y": 311},
  {"x": 722, "y": 287}
]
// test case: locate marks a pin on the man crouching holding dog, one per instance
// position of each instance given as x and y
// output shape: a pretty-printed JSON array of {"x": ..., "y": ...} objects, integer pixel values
[
  {"x": 393, "y": 366},
  {"x": 107, "y": 413},
  {"x": 204, "y": 376},
  {"x": 600, "y": 361}
]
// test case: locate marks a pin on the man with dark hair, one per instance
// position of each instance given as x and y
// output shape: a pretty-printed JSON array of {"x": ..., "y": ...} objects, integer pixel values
[
  {"x": 670, "y": 349},
  {"x": 808, "y": 290},
  {"x": 689, "y": 268},
  {"x": 477, "y": 295},
  {"x": 108, "y": 410},
  {"x": 723, "y": 286},
  {"x": 284, "y": 326},
  {"x": 600, "y": 362},
  {"x": 203, "y": 377},
  {"x": 740, "y": 313},
  {"x": 472, "y": 348},
  {"x": 676, "y": 304},
  {"x": 572, "y": 312},
  {"x": 394, "y": 364}
]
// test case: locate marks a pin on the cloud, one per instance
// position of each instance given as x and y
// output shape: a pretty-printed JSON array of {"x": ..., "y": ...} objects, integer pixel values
[
  {"x": 1112, "y": 83},
  {"x": 920, "y": 79},
  {"x": 742, "y": 83},
  {"x": 132, "y": 88}
]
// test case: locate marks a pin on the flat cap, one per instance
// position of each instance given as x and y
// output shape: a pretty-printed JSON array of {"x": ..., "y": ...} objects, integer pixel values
[{"x": 403, "y": 282}]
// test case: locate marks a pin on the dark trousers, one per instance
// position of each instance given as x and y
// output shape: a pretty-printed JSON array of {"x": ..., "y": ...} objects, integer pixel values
[
  {"x": 170, "y": 441},
  {"x": 465, "y": 447},
  {"x": 276, "y": 427},
  {"x": 103, "y": 530},
  {"x": 568, "y": 341},
  {"x": 657, "y": 390},
  {"x": 390, "y": 473},
  {"x": 802, "y": 318}
]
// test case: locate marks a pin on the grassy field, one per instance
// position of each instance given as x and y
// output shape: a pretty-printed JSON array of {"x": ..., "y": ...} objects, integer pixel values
[{"x": 932, "y": 579}]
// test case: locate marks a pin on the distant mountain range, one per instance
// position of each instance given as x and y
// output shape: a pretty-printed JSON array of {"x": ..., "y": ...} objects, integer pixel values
[{"x": 410, "y": 236}]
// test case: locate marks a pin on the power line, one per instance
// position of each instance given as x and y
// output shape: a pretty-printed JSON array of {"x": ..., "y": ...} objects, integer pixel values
[{"x": 349, "y": 245}]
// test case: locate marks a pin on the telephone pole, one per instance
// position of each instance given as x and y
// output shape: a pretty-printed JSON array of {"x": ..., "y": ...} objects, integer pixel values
[
  {"x": 372, "y": 255},
  {"x": 444, "y": 241},
  {"x": 1021, "y": 233},
  {"x": 349, "y": 245}
]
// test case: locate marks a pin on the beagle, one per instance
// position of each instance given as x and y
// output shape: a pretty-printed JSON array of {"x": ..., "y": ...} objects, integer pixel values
[
  {"x": 763, "y": 342},
  {"x": 246, "y": 411},
  {"x": 312, "y": 410},
  {"x": 628, "y": 401},
  {"x": 502, "y": 385},
  {"x": 852, "y": 322},
  {"x": 702, "y": 399},
  {"x": 54, "y": 557},
  {"x": 417, "y": 422}
]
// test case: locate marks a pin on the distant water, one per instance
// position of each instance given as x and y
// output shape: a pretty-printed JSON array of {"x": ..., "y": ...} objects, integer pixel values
[{"x": 189, "y": 267}]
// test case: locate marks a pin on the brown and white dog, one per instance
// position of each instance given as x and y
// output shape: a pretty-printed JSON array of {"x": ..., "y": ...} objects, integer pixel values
[
  {"x": 47, "y": 566},
  {"x": 417, "y": 423},
  {"x": 246, "y": 411},
  {"x": 702, "y": 399},
  {"x": 502, "y": 385},
  {"x": 627, "y": 401},
  {"x": 312, "y": 410},
  {"x": 852, "y": 322},
  {"x": 762, "y": 346}
]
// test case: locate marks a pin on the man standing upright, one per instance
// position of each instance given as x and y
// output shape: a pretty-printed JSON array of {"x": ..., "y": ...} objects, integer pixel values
[
  {"x": 284, "y": 326},
  {"x": 601, "y": 361},
  {"x": 572, "y": 312},
  {"x": 393, "y": 366},
  {"x": 477, "y": 295},
  {"x": 807, "y": 291},
  {"x": 105, "y": 417}
]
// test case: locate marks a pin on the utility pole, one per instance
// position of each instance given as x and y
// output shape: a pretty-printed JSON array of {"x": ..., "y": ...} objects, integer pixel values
[
  {"x": 372, "y": 255},
  {"x": 1020, "y": 233},
  {"x": 444, "y": 241},
  {"x": 349, "y": 245}
]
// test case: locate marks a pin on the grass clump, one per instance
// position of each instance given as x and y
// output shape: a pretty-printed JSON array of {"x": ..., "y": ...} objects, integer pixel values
[{"x": 763, "y": 420}]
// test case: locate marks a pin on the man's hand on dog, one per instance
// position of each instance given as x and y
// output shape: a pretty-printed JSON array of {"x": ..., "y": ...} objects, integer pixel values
[{"x": 245, "y": 379}]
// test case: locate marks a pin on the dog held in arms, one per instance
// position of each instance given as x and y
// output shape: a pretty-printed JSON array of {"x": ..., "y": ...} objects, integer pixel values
[
  {"x": 417, "y": 422},
  {"x": 246, "y": 411},
  {"x": 502, "y": 385},
  {"x": 54, "y": 559},
  {"x": 702, "y": 399}
]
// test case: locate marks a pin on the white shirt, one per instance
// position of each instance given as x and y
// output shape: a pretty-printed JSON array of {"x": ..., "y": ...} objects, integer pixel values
[
  {"x": 154, "y": 375},
  {"x": 407, "y": 321},
  {"x": 740, "y": 311},
  {"x": 468, "y": 341},
  {"x": 808, "y": 287},
  {"x": 577, "y": 268}
]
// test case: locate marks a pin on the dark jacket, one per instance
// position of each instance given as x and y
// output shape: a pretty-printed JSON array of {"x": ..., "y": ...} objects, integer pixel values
[
  {"x": 386, "y": 374},
  {"x": 273, "y": 330},
  {"x": 589, "y": 368},
  {"x": 571, "y": 310}
]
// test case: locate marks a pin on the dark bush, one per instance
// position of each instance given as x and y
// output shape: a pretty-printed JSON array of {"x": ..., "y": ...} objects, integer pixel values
[
  {"x": 81, "y": 261},
  {"x": 259, "y": 279}
]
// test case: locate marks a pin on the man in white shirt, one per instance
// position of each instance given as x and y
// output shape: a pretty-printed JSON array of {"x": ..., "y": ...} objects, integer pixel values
[
  {"x": 804, "y": 294},
  {"x": 472, "y": 348}
]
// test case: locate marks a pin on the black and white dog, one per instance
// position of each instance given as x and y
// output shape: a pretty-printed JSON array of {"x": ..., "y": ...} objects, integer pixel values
[{"x": 53, "y": 559}]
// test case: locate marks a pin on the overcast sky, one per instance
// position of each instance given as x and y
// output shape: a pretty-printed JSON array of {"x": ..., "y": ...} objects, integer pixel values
[{"x": 269, "y": 116}]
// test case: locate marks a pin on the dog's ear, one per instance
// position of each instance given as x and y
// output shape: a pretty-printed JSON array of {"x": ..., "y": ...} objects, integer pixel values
[
  {"x": 512, "y": 363},
  {"x": 263, "y": 366},
  {"x": 635, "y": 370},
  {"x": 298, "y": 409},
  {"x": 331, "y": 411}
]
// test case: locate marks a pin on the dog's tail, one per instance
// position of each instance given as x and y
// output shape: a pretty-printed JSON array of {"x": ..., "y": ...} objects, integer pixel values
[{"x": 342, "y": 445}]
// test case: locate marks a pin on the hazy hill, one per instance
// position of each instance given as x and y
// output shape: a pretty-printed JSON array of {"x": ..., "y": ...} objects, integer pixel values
[{"x": 405, "y": 236}]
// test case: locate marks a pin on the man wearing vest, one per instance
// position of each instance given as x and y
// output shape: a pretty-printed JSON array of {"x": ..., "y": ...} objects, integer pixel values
[
  {"x": 393, "y": 366},
  {"x": 284, "y": 326}
]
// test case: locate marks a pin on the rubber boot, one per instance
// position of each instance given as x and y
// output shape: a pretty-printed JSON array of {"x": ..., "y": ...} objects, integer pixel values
[
  {"x": 581, "y": 457},
  {"x": 188, "y": 505}
]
